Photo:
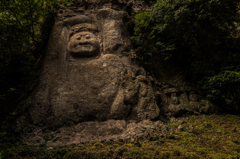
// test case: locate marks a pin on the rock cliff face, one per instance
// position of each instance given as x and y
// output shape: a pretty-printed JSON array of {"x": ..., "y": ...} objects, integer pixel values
[{"x": 90, "y": 90}]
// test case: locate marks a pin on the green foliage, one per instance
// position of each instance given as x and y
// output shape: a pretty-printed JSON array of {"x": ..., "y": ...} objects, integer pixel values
[
  {"x": 141, "y": 32},
  {"x": 187, "y": 26},
  {"x": 201, "y": 37},
  {"x": 224, "y": 86}
]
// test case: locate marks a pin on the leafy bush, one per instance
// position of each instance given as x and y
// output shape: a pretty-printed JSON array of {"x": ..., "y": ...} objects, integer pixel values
[
  {"x": 224, "y": 87},
  {"x": 185, "y": 26}
]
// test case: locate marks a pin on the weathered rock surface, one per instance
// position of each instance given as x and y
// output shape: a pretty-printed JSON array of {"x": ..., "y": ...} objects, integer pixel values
[
  {"x": 90, "y": 90},
  {"x": 107, "y": 131},
  {"x": 177, "y": 102}
]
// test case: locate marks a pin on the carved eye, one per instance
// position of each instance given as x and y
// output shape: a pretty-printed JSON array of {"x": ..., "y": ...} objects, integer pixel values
[
  {"x": 79, "y": 38},
  {"x": 88, "y": 36}
]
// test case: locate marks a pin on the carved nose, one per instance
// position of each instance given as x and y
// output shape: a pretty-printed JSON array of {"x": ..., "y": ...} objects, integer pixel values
[{"x": 81, "y": 42}]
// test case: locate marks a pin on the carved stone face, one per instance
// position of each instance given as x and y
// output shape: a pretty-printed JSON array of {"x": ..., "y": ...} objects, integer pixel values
[
  {"x": 193, "y": 96},
  {"x": 174, "y": 98},
  {"x": 83, "y": 44}
]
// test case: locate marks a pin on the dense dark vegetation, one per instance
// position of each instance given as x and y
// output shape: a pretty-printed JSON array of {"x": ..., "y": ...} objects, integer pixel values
[{"x": 201, "y": 38}]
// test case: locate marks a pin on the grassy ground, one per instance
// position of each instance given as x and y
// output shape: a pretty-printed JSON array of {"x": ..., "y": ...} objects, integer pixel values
[{"x": 215, "y": 136}]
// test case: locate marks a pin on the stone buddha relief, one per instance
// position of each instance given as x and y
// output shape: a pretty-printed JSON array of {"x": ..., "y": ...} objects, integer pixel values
[
  {"x": 182, "y": 101},
  {"x": 88, "y": 76}
]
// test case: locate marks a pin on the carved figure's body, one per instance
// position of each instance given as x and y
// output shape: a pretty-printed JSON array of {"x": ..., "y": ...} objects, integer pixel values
[
  {"x": 97, "y": 89},
  {"x": 87, "y": 77}
]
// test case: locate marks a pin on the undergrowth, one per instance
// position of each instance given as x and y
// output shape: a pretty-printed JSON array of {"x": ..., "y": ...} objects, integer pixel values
[{"x": 215, "y": 136}]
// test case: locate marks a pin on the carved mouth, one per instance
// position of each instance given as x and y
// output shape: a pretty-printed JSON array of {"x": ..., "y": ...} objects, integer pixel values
[{"x": 85, "y": 46}]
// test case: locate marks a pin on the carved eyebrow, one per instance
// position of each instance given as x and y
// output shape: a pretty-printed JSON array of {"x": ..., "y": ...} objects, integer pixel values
[{"x": 84, "y": 34}]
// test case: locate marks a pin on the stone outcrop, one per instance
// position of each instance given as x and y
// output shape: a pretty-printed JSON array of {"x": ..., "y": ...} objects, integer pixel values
[
  {"x": 106, "y": 131},
  {"x": 91, "y": 90}
]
